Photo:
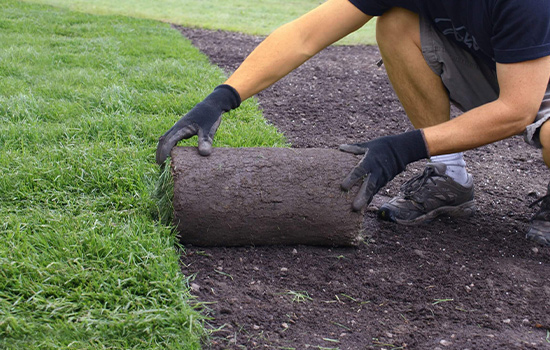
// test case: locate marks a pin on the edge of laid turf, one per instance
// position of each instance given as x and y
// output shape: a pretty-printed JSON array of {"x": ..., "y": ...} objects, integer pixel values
[{"x": 83, "y": 100}]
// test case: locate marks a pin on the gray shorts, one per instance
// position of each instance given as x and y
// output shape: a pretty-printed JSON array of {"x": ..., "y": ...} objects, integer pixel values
[{"x": 468, "y": 80}]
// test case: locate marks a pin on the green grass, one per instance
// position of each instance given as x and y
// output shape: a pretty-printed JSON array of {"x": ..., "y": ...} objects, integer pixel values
[
  {"x": 252, "y": 17},
  {"x": 83, "y": 100},
  {"x": 299, "y": 296}
]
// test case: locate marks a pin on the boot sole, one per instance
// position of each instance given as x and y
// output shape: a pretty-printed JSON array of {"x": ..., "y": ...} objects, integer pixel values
[
  {"x": 463, "y": 210},
  {"x": 539, "y": 236}
]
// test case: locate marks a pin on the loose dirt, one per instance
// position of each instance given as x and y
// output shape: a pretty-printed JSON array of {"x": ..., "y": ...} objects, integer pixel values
[{"x": 472, "y": 283}]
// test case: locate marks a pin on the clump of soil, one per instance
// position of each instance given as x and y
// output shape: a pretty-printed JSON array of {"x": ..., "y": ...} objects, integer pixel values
[{"x": 470, "y": 283}]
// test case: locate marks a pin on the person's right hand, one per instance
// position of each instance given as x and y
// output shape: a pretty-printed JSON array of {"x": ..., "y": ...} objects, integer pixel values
[
  {"x": 383, "y": 159},
  {"x": 203, "y": 120}
]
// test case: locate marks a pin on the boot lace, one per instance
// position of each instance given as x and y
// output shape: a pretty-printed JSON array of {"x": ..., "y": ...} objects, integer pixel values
[{"x": 412, "y": 186}]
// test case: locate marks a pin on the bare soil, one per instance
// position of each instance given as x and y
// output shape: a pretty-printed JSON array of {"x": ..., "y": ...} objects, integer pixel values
[{"x": 470, "y": 283}]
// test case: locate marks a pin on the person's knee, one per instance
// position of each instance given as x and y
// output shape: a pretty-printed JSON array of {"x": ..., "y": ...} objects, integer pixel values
[{"x": 396, "y": 25}]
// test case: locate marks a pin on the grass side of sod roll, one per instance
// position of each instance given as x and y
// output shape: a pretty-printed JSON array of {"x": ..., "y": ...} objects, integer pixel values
[{"x": 84, "y": 264}]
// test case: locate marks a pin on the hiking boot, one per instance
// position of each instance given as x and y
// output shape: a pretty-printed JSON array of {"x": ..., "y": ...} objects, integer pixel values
[
  {"x": 540, "y": 222},
  {"x": 431, "y": 194}
]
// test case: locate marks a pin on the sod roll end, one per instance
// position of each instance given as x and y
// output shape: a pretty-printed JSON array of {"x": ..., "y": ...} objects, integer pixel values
[{"x": 264, "y": 196}]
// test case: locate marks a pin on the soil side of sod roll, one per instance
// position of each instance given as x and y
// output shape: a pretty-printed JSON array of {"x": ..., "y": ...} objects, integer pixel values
[{"x": 264, "y": 196}]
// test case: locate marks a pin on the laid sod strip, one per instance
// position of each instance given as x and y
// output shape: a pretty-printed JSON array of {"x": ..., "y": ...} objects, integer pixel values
[
  {"x": 83, "y": 100},
  {"x": 251, "y": 17}
]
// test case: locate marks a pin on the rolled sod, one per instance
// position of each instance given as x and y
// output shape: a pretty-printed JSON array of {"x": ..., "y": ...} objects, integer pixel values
[{"x": 264, "y": 196}]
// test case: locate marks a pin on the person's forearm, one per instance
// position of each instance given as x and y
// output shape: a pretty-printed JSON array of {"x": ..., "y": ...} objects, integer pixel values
[
  {"x": 522, "y": 86},
  {"x": 480, "y": 126},
  {"x": 275, "y": 57},
  {"x": 294, "y": 43}
]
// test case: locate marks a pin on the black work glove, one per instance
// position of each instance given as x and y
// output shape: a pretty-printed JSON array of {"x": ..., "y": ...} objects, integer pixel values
[
  {"x": 203, "y": 120},
  {"x": 385, "y": 157}
]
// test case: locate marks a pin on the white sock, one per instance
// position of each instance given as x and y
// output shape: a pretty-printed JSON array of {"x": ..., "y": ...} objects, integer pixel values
[{"x": 456, "y": 166}]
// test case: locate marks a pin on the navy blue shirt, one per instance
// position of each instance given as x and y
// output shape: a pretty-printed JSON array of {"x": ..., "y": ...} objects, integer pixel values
[{"x": 504, "y": 31}]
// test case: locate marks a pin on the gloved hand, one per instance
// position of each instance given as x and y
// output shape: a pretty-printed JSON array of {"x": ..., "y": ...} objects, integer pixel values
[
  {"x": 203, "y": 120},
  {"x": 383, "y": 159}
]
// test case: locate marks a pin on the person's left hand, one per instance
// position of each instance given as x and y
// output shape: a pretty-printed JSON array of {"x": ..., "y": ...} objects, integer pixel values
[
  {"x": 383, "y": 159},
  {"x": 203, "y": 120}
]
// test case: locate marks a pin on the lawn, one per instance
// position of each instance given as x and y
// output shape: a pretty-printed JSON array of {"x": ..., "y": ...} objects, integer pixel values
[
  {"x": 83, "y": 99},
  {"x": 252, "y": 17}
]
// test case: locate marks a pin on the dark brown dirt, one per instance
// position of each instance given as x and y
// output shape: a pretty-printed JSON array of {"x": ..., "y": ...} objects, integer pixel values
[{"x": 472, "y": 283}]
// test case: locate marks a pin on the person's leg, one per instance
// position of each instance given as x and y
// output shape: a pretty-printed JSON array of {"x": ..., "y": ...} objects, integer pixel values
[
  {"x": 425, "y": 98},
  {"x": 419, "y": 89},
  {"x": 545, "y": 143}
]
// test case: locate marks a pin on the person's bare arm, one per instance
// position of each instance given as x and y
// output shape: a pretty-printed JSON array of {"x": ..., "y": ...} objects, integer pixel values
[
  {"x": 522, "y": 87},
  {"x": 294, "y": 43},
  {"x": 282, "y": 51}
]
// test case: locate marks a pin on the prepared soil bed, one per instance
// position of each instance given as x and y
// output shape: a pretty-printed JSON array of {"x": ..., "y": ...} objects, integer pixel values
[{"x": 470, "y": 283}]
